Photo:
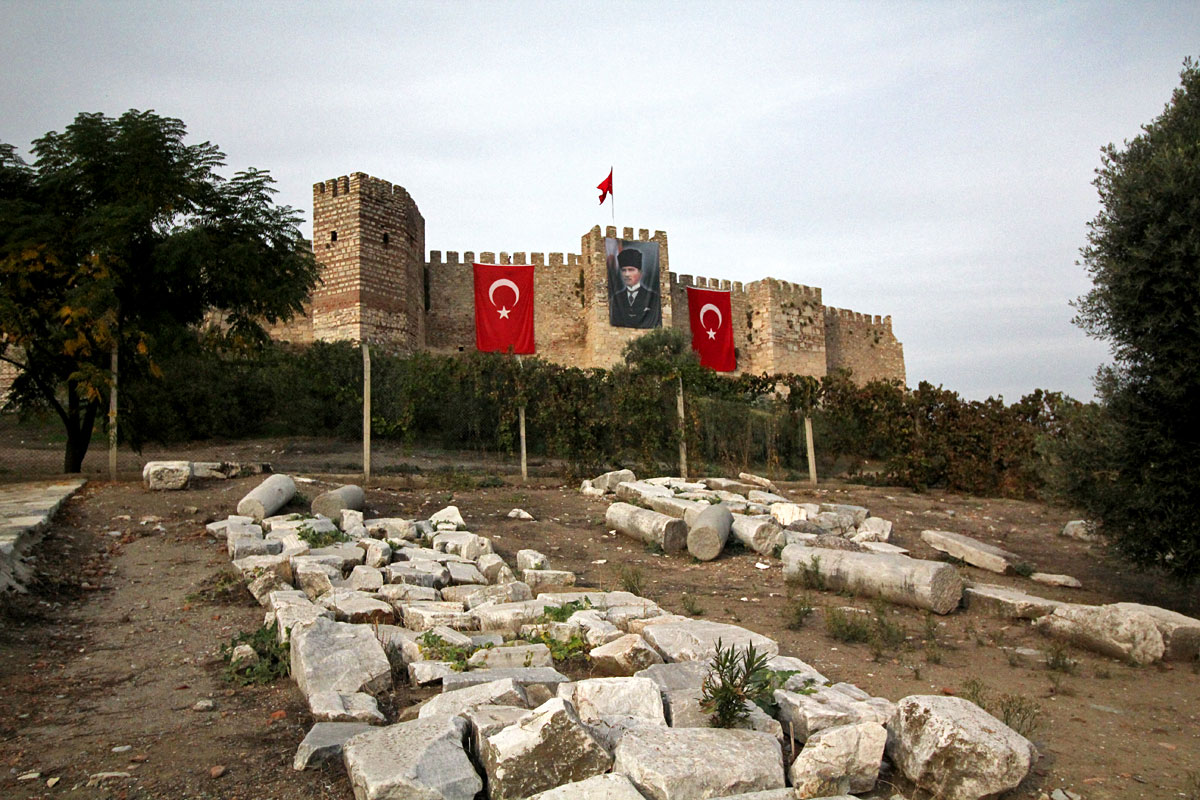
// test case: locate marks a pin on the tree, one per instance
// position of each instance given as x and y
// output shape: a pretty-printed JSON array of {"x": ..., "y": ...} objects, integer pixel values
[
  {"x": 119, "y": 234},
  {"x": 1143, "y": 255}
]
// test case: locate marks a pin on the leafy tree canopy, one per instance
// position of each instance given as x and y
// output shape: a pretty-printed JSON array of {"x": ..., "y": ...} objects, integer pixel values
[
  {"x": 120, "y": 233},
  {"x": 1143, "y": 254}
]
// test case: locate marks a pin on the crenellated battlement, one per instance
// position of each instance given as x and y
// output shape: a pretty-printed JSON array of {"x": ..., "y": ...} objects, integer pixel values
[
  {"x": 855, "y": 316},
  {"x": 361, "y": 183},
  {"x": 517, "y": 259}
]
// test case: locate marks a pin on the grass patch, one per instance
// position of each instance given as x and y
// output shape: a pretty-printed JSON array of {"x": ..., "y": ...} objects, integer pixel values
[
  {"x": 810, "y": 577},
  {"x": 274, "y": 658},
  {"x": 848, "y": 627}
]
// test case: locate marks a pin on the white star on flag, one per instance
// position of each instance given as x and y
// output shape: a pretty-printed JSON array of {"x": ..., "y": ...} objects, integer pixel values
[
  {"x": 503, "y": 312},
  {"x": 711, "y": 334}
]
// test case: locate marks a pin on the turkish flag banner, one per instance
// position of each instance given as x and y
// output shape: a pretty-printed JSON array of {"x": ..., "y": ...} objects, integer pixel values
[
  {"x": 503, "y": 308},
  {"x": 605, "y": 187},
  {"x": 711, "y": 316}
]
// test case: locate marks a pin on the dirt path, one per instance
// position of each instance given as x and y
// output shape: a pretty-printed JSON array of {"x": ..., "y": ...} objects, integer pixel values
[{"x": 86, "y": 670}]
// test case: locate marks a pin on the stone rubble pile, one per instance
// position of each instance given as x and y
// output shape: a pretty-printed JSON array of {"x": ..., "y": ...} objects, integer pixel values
[
  {"x": 849, "y": 550},
  {"x": 429, "y": 601}
]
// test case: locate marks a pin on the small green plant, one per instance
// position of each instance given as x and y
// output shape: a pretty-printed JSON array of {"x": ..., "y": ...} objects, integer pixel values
[
  {"x": 435, "y": 647},
  {"x": 1023, "y": 569},
  {"x": 563, "y": 613},
  {"x": 930, "y": 628},
  {"x": 691, "y": 605},
  {"x": 887, "y": 633},
  {"x": 491, "y": 482},
  {"x": 933, "y": 653},
  {"x": 654, "y": 549},
  {"x": 564, "y": 651},
  {"x": 316, "y": 539},
  {"x": 630, "y": 578},
  {"x": 974, "y": 690},
  {"x": 848, "y": 627},
  {"x": 1058, "y": 659},
  {"x": 796, "y": 610},
  {"x": 274, "y": 658},
  {"x": 810, "y": 576},
  {"x": 915, "y": 669},
  {"x": 1103, "y": 673},
  {"x": 1020, "y": 713},
  {"x": 1014, "y": 658},
  {"x": 735, "y": 678}
]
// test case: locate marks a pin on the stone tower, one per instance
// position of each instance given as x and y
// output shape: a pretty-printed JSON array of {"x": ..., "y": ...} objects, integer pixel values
[{"x": 369, "y": 239}]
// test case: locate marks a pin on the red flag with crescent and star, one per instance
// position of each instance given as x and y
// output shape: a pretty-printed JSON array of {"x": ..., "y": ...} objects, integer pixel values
[
  {"x": 711, "y": 317},
  {"x": 503, "y": 308}
]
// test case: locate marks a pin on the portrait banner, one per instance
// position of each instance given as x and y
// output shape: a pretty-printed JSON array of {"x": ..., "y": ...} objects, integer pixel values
[
  {"x": 503, "y": 308},
  {"x": 634, "y": 296},
  {"x": 710, "y": 314}
]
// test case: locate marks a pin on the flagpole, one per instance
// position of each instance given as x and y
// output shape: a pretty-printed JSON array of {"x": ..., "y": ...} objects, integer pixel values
[{"x": 613, "y": 205}]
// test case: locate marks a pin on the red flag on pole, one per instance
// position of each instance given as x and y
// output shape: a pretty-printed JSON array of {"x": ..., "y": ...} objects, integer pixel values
[
  {"x": 503, "y": 308},
  {"x": 711, "y": 317},
  {"x": 605, "y": 186}
]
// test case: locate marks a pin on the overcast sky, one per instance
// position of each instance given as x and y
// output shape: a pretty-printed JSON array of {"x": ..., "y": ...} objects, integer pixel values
[{"x": 932, "y": 161}]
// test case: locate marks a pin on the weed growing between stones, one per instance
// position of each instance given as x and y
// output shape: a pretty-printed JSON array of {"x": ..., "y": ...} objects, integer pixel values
[
  {"x": 438, "y": 649},
  {"x": 563, "y": 613},
  {"x": 273, "y": 658},
  {"x": 735, "y": 677},
  {"x": 569, "y": 652},
  {"x": 810, "y": 576},
  {"x": 630, "y": 578},
  {"x": 316, "y": 539},
  {"x": 691, "y": 605},
  {"x": 1023, "y": 569}
]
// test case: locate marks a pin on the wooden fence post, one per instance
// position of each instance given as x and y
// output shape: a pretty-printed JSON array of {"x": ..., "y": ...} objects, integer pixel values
[{"x": 366, "y": 354}]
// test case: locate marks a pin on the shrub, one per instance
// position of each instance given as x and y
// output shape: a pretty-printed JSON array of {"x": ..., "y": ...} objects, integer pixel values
[{"x": 735, "y": 678}]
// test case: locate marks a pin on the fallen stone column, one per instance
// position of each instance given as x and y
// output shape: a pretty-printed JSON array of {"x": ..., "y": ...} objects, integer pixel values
[
  {"x": 647, "y": 526},
  {"x": 267, "y": 498},
  {"x": 331, "y": 504},
  {"x": 760, "y": 535},
  {"x": 707, "y": 536},
  {"x": 932, "y": 585}
]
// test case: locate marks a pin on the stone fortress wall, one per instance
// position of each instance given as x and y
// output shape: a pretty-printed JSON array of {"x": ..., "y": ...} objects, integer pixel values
[{"x": 369, "y": 238}]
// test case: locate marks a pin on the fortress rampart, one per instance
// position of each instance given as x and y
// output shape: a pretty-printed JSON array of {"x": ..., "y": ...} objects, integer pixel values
[{"x": 379, "y": 287}]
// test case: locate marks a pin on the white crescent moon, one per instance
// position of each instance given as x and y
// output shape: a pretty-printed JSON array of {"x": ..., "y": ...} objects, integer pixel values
[
  {"x": 716, "y": 310},
  {"x": 509, "y": 284}
]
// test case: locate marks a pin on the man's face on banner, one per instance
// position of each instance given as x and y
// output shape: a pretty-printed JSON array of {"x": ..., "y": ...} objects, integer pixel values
[{"x": 631, "y": 276}]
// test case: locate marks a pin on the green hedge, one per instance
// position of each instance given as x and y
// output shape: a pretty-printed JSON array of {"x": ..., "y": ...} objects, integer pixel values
[{"x": 600, "y": 419}]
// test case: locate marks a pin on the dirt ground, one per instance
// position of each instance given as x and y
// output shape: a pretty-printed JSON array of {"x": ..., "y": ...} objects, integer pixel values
[{"x": 101, "y": 664}]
